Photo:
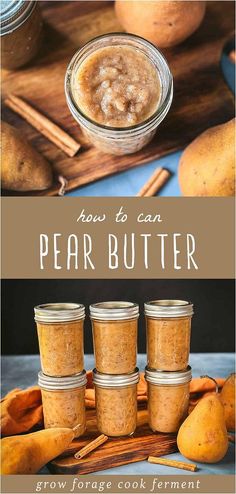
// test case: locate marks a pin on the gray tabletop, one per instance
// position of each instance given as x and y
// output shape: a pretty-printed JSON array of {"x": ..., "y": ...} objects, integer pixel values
[{"x": 21, "y": 371}]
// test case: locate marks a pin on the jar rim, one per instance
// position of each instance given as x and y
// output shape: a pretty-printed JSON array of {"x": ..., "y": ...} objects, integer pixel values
[
  {"x": 57, "y": 312},
  {"x": 168, "y": 308},
  {"x": 62, "y": 383},
  {"x": 157, "y": 116},
  {"x": 114, "y": 310},
  {"x": 15, "y": 13},
  {"x": 115, "y": 380},
  {"x": 168, "y": 378}
]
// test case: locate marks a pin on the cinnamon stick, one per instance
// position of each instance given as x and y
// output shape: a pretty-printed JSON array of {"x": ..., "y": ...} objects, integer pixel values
[
  {"x": 50, "y": 130},
  {"x": 91, "y": 446},
  {"x": 173, "y": 463},
  {"x": 155, "y": 182}
]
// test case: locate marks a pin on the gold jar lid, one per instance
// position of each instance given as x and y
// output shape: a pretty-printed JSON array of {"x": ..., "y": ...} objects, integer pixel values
[
  {"x": 114, "y": 310},
  {"x": 168, "y": 378},
  {"x": 59, "y": 312},
  {"x": 168, "y": 308}
]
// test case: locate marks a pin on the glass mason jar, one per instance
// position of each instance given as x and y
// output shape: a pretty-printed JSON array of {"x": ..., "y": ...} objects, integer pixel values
[
  {"x": 168, "y": 326},
  {"x": 63, "y": 401},
  {"x": 61, "y": 338},
  {"x": 168, "y": 398},
  {"x": 116, "y": 403},
  {"x": 21, "y": 32},
  {"x": 120, "y": 140},
  {"x": 115, "y": 326}
]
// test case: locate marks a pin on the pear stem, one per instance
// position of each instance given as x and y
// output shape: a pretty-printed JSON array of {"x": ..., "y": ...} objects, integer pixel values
[
  {"x": 76, "y": 429},
  {"x": 232, "y": 374},
  {"x": 212, "y": 378}
]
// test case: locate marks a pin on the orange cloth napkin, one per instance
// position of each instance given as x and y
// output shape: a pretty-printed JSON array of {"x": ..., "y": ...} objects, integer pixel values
[{"x": 21, "y": 410}]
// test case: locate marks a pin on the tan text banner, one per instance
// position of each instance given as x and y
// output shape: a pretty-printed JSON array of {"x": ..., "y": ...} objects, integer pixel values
[
  {"x": 130, "y": 484},
  {"x": 117, "y": 238}
]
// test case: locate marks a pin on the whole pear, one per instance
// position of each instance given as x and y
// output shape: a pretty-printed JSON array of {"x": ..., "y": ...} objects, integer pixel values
[
  {"x": 227, "y": 398},
  {"x": 207, "y": 166},
  {"x": 23, "y": 168},
  {"x": 165, "y": 23},
  {"x": 203, "y": 436}
]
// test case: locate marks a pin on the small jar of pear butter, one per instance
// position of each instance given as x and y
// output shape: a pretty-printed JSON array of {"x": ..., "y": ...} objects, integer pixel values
[
  {"x": 119, "y": 88},
  {"x": 115, "y": 336},
  {"x": 63, "y": 401},
  {"x": 61, "y": 339},
  {"x": 116, "y": 403},
  {"x": 168, "y": 399},
  {"x": 168, "y": 325},
  {"x": 21, "y": 32}
]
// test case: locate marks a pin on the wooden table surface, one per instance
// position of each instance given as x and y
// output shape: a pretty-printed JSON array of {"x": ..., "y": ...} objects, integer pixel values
[{"x": 201, "y": 96}]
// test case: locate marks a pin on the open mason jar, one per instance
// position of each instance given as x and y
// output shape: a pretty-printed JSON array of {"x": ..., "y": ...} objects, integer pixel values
[
  {"x": 116, "y": 403},
  {"x": 21, "y": 32},
  {"x": 63, "y": 401},
  {"x": 114, "y": 96},
  {"x": 115, "y": 326},
  {"x": 168, "y": 326},
  {"x": 168, "y": 398},
  {"x": 61, "y": 338}
]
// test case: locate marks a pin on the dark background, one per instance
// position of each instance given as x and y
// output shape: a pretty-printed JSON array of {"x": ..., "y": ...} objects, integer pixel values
[{"x": 212, "y": 325}]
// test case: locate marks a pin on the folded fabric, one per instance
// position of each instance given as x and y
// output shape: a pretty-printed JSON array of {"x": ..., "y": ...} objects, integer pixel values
[
  {"x": 202, "y": 387},
  {"x": 205, "y": 384},
  {"x": 21, "y": 410}
]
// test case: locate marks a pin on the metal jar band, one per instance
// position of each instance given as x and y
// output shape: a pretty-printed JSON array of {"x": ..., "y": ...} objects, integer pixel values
[
  {"x": 168, "y": 308},
  {"x": 166, "y": 378},
  {"x": 115, "y": 381},
  {"x": 62, "y": 383},
  {"x": 114, "y": 311},
  {"x": 59, "y": 312},
  {"x": 14, "y": 13}
]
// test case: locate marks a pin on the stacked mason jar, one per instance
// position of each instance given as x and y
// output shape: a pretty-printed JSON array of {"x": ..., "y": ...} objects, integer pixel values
[
  {"x": 116, "y": 375},
  {"x": 63, "y": 378},
  {"x": 115, "y": 326},
  {"x": 168, "y": 375}
]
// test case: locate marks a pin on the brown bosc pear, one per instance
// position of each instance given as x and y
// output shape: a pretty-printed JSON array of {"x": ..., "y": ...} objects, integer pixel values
[
  {"x": 207, "y": 165},
  {"x": 165, "y": 23},
  {"x": 227, "y": 398},
  {"x": 203, "y": 435},
  {"x": 23, "y": 168},
  {"x": 28, "y": 453}
]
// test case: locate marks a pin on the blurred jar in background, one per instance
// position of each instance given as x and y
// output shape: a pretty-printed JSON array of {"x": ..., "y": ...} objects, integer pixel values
[{"x": 21, "y": 32}]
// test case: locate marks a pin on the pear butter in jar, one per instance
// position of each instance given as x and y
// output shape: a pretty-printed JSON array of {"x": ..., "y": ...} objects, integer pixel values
[
  {"x": 119, "y": 88},
  {"x": 168, "y": 398},
  {"x": 63, "y": 401},
  {"x": 168, "y": 325},
  {"x": 115, "y": 327},
  {"x": 61, "y": 338},
  {"x": 21, "y": 32},
  {"x": 116, "y": 403}
]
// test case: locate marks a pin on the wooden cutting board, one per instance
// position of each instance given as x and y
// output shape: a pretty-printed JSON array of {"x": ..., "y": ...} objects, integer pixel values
[
  {"x": 201, "y": 97},
  {"x": 115, "y": 452}
]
